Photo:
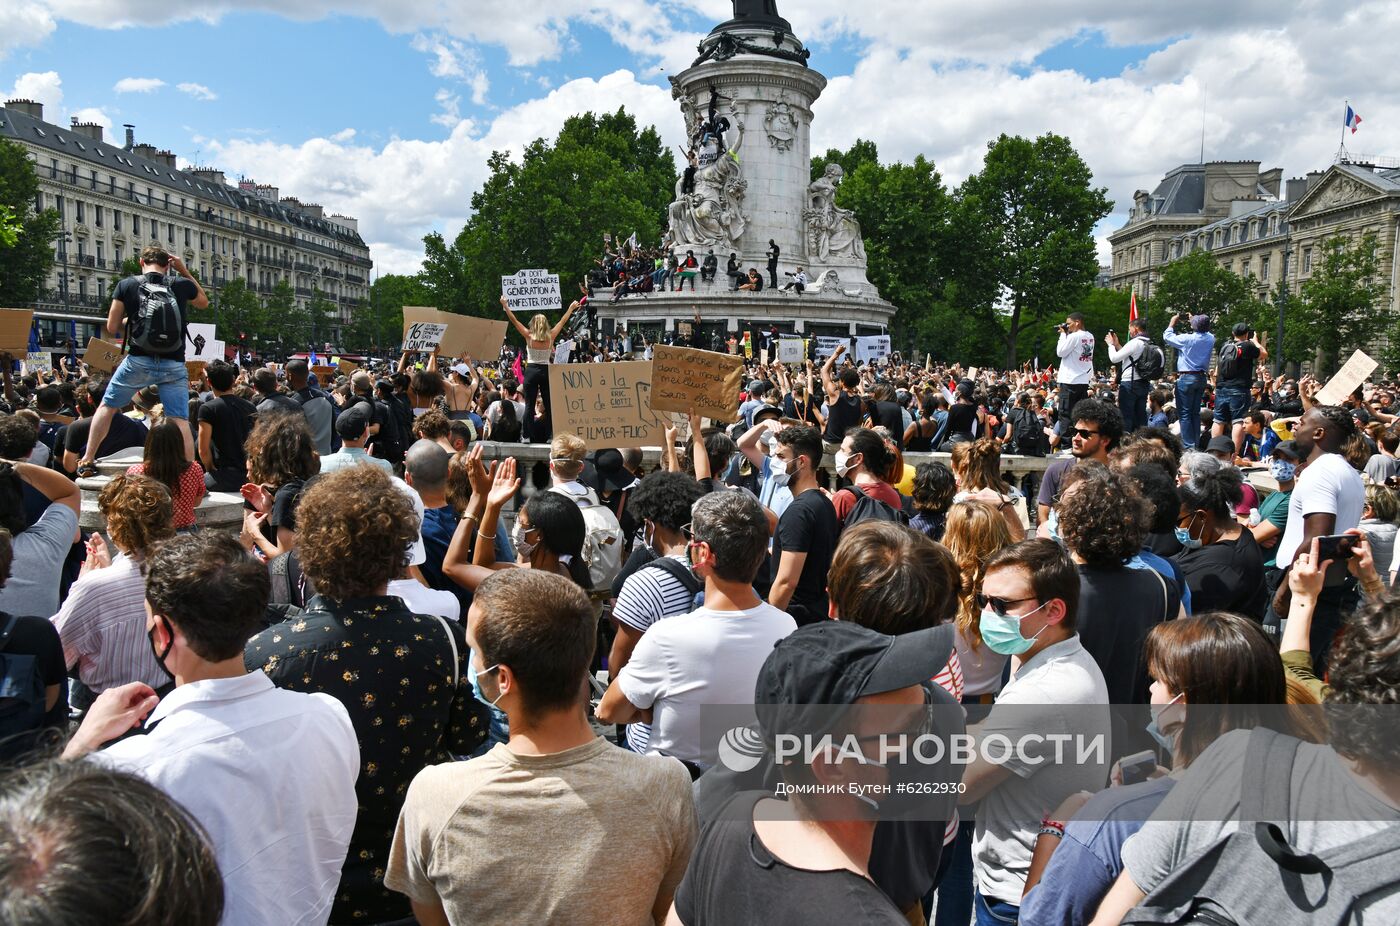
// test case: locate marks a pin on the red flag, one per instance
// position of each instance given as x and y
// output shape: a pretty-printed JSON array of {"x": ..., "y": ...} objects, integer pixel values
[{"x": 1132, "y": 308}]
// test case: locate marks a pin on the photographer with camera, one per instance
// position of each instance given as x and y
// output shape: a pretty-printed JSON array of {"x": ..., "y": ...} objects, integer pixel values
[
  {"x": 1193, "y": 351},
  {"x": 1234, "y": 375},
  {"x": 1140, "y": 362},
  {"x": 1075, "y": 349}
]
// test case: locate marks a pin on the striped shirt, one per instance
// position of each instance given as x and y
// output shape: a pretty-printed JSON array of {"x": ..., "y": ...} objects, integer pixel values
[
  {"x": 103, "y": 628},
  {"x": 950, "y": 679},
  {"x": 648, "y": 595}
]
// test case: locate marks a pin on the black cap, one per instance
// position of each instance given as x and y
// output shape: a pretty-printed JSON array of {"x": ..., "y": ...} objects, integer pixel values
[
  {"x": 352, "y": 422},
  {"x": 611, "y": 473},
  {"x": 1288, "y": 450},
  {"x": 766, "y": 411},
  {"x": 834, "y": 663},
  {"x": 1241, "y": 328},
  {"x": 1221, "y": 444}
]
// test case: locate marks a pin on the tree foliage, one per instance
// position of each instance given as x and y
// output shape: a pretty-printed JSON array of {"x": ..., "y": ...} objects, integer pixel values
[
  {"x": 237, "y": 311},
  {"x": 551, "y": 208},
  {"x": 1340, "y": 306},
  {"x": 1198, "y": 285},
  {"x": 25, "y": 263}
]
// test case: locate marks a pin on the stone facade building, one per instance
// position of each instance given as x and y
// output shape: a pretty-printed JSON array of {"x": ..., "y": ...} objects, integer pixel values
[{"x": 115, "y": 200}]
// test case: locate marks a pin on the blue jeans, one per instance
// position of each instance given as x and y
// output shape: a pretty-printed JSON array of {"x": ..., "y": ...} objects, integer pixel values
[
  {"x": 955, "y": 890},
  {"x": 995, "y": 912},
  {"x": 171, "y": 377},
  {"x": 1189, "y": 389},
  {"x": 1231, "y": 403},
  {"x": 1132, "y": 402}
]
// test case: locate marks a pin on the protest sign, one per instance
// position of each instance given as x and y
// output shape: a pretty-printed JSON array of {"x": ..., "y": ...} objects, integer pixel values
[
  {"x": 874, "y": 347},
  {"x": 39, "y": 361},
  {"x": 15, "y": 325},
  {"x": 684, "y": 330},
  {"x": 324, "y": 374},
  {"x": 790, "y": 350},
  {"x": 103, "y": 356},
  {"x": 346, "y": 367},
  {"x": 423, "y": 336},
  {"x": 685, "y": 379},
  {"x": 480, "y": 338},
  {"x": 827, "y": 346},
  {"x": 1352, "y": 374},
  {"x": 562, "y": 351},
  {"x": 195, "y": 369},
  {"x": 204, "y": 342},
  {"x": 606, "y": 404},
  {"x": 531, "y": 291}
]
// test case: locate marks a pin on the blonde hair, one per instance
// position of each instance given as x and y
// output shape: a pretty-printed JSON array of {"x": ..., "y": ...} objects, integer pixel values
[
  {"x": 1383, "y": 501},
  {"x": 539, "y": 328},
  {"x": 977, "y": 464},
  {"x": 566, "y": 452},
  {"x": 974, "y": 531}
]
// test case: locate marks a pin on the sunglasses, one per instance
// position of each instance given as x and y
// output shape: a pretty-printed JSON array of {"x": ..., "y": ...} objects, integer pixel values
[
  {"x": 999, "y": 606},
  {"x": 1081, "y": 433}
]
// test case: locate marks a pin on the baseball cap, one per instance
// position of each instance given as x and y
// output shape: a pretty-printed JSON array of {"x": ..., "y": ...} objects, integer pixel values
[
  {"x": 461, "y": 369},
  {"x": 1288, "y": 450},
  {"x": 766, "y": 411},
  {"x": 1200, "y": 322},
  {"x": 1241, "y": 328},
  {"x": 1221, "y": 444},
  {"x": 352, "y": 423},
  {"x": 834, "y": 663}
]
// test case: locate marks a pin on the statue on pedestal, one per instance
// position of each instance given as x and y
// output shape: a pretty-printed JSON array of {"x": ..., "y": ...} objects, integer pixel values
[
  {"x": 708, "y": 209},
  {"x": 831, "y": 230}
]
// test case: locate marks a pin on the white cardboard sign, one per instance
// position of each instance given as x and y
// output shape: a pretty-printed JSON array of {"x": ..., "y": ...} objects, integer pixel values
[{"x": 531, "y": 291}]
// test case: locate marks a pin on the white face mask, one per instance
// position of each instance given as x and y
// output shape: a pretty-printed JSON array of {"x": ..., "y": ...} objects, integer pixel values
[
  {"x": 843, "y": 463},
  {"x": 778, "y": 469},
  {"x": 524, "y": 549}
]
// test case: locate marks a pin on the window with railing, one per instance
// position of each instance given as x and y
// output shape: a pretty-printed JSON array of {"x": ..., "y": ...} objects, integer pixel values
[
  {"x": 1307, "y": 260},
  {"x": 79, "y": 205},
  {"x": 1264, "y": 269}
]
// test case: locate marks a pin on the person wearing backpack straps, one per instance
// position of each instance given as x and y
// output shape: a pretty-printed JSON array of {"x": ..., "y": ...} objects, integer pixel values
[
  {"x": 151, "y": 312},
  {"x": 1234, "y": 375},
  {"x": 805, "y": 541},
  {"x": 863, "y": 460},
  {"x": 1139, "y": 362},
  {"x": 605, "y": 543},
  {"x": 33, "y": 675}
]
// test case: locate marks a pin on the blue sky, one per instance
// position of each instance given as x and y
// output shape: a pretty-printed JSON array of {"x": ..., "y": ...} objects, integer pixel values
[{"x": 390, "y": 114}]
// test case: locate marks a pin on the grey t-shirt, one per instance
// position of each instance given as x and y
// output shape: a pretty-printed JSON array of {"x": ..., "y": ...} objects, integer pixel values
[
  {"x": 39, "y": 554},
  {"x": 1328, "y": 805}
]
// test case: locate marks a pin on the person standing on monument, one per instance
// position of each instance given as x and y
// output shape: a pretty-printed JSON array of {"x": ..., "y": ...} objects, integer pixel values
[
  {"x": 539, "y": 351},
  {"x": 773, "y": 253}
]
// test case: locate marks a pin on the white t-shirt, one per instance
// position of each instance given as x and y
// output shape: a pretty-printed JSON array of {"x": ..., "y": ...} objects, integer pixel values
[
  {"x": 1076, "y": 353},
  {"x": 1327, "y": 486},
  {"x": 648, "y": 595},
  {"x": 1128, "y": 357},
  {"x": 691, "y": 660},
  {"x": 423, "y": 600}
]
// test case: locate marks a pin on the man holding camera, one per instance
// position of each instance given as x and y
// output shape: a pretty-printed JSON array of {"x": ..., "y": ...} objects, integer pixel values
[
  {"x": 1075, "y": 349},
  {"x": 1133, "y": 384},
  {"x": 1234, "y": 375},
  {"x": 1193, "y": 351}
]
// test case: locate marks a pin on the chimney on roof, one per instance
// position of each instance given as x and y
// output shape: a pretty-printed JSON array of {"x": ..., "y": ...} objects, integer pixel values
[
  {"x": 210, "y": 175},
  {"x": 1297, "y": 186},
  {"x": 28, "y": 107},
  {"x": 1270, "y": 180},
  {"x": 130, "y": 135},
  {"x": 167, "y": 158},
  {"x": 1313, "y": 177},
  {"x": 149, "y": 152}
]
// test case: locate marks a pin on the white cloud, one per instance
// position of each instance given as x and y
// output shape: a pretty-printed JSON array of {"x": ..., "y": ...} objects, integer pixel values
[
  {"x": 40, "y": 86},
  {"x": 23, "y": 24},
  {"x": 198, "y": 91},
  {"x": 343, "y": 135},
  {"x": 93, "y": 114},
  {"x": 137, "y": 85},
  {"x": 453, "y": 60},
  {"x": 451, "y": 105}
]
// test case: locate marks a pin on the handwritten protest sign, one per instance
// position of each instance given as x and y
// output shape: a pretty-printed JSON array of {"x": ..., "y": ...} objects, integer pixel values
[
  {"x": 14, "y": 330},
  {"x": 103, "y": 356},
  {"x": 423, "y": 336},
  {"x": 39, "y": 361},
  {"x": 562, "y": 351},
  {"x": 875, "y": 347},
  {"x": 324, "y": 374},
  {"x": 606, "y": 404},
  {"x": 827, "y": 346},
  {"x": 790, "y": 350},
  {"x": 1352, "y": 374},
  {"x": 481, "y": 338},
  {"x": 685, "y": 379},
  {"x": 531, "y": 291},
  {"x": 347, "y": 367}
]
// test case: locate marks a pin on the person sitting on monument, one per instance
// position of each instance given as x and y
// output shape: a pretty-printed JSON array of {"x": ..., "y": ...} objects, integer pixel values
[
  {"x": 798, "y": 281},
  {"x": 709, "y": 268},
  {"x": 731, "y": 270},
  {"x": 754, "y": 283}
]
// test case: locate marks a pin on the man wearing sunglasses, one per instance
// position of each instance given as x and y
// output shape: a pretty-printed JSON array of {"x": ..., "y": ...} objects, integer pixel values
[
  {"x": 1029, "y": 601},
  {"x": 1098, "y": 426}
]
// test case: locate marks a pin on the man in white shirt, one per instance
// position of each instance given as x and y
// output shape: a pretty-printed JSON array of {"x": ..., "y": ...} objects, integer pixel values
[
  {"x": 1030, "y": 598},
  {"x": 1132, "y": 385},
  {"x": 1327, "y": 499},
  {"x": 711, "y": 655},
  {"x": 353, "y": 426},
  {"x": 269, "y": 773},
  {"x": 1075, "y": 348}
]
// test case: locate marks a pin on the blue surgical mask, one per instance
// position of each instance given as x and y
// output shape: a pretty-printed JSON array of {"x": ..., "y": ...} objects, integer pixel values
[
  {"x": 499, "y": 694},
  {"x": 1183, "y": 537},
  {"x": 1154, "y": 729},
  {"x": 1002, "y": 633},
  {"x": 1282, "y": 470}
]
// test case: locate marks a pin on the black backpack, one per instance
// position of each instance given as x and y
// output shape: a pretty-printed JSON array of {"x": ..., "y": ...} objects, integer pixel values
[
  {"x": 158, "y": 326},
  {"x": 1151, "y": 363},
  {"x": 22, "y": 696},
  {"x": 1026, "y": 432},
  {"x": 1230, "y": 361},
  {"x": 682, "y": 574},
  {"x": 869, "y": 508}
]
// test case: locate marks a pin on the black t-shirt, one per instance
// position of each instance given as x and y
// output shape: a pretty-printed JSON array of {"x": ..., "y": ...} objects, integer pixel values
[
  {"x": 1050, "y": 482},
  {"x": 1226, "y": 576},
  {"x": 1244, "y": 375},
  {"x": 891, "y": 416},
  {"x": 733, "y": 878},
  {"x": 284, "y": 504},
  {"x": 37, "y": 637},
  {"x": 802, "y": 409},
  {"x": 1117, "y": 608},
  {"x": 128, "y": 292},
  {"x": 808, "y": 525},
  {"x": 124, "y": 433},
  {"x": 842, "y": 415},
  {"x": 231, "y": 421},
  {"x": 961, "y": 418}
]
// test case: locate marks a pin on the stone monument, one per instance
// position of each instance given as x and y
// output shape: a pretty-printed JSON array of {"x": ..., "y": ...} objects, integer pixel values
[{"x": 746, "y": 103}]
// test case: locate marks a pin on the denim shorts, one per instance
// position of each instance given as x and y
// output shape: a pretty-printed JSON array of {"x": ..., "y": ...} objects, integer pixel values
[{"x": 171, "y": 377}]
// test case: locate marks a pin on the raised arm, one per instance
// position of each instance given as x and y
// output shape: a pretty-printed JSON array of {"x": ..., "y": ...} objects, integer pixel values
[
  {"x": 828, "y": 384},
  {"x": 554, "y": 332},
  {"x": 698, "y": 454},
  {"x": 524, "y": 332}
]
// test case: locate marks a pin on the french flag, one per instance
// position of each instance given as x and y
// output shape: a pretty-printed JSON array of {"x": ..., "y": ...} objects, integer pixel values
[{"x": 1353, "y": 119}]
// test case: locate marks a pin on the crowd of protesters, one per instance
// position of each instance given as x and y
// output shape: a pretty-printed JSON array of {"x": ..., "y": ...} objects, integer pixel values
[{"x": 421, "y": 686}]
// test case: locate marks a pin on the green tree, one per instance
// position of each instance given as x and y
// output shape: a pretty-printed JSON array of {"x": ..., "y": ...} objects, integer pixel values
[
  {"x": 25, "y": 262},
  {"x": 1340, "y": 305},
  {"x": 551, "y": 208},
  {"x": 1102, "y": 309},
  {"x": 378, "y": 325},
  {"x": 237, "y": 311},
  {"x": 1198, "y": 285},
  {"x": 10, "y": 227},
  {"x": 322, "y": 318},
  {"x": 851, "y": 160},
  {"x": 1025, "y": 226}
]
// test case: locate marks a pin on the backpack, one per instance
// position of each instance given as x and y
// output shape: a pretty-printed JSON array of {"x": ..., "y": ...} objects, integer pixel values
[
  {"x": 22, "y": 696},
  {"x": 1025, "y": 432},
  {"x": 1255, "y": 869},
  {"x": 157, "y": 326},
  {"x": 1151, "y": 363},
  {"x": 289, "y": 586},
  {"x": 1231, "y": 359},
  {"x": 869, "y": 508},
  {"x": 603, "y": 541},
  {"x": 682, "y": 574}
]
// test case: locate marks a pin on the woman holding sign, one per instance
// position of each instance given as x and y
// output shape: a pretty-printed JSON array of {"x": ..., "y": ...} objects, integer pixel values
[{"x": 539, "y": 350}]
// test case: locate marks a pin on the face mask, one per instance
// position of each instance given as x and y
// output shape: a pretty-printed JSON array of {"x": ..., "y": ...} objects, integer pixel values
[
  {"x": 843, "y": 463},
  {"x": 158, "y": 654},
  {"x": 1183, "y": 537},
  {"x": 1154, "y": 727},
  {"x": 778, "y": 469},
  {"x": 499, "y": 694},
  {"x": 1052, "y": 526},
  {"x": 523, "y": 548},
  {"x": 649, "y": 537},
  {"x": 1003, "y": 634},
  {"x": 1283, "y": 471}
]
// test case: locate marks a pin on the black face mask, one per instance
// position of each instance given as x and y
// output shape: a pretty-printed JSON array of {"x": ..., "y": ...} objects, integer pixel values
[{"x": 160, "y": 656}]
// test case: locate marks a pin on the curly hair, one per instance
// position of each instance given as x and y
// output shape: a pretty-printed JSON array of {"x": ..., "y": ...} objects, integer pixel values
[
  {"x": 1105, "y": 519},
  {"x": 354, "y": 531},
  {"x": 1364, "y": 674},
  {"x": 1212, "y": 486},
  {"x": 665, "y": 499},
  {"x": 432, "y": 425},
  {"x": 459, "y": 486},
  {"x": 934, "y": 487},
  {"x": 1108, "y": 418},
  {"x": 892, "y": 579},
  {"x": 17, "y": 437},
  {"x": 977, "y": 464},
  {"x": 280, "y": 450},
  {"x": 138, "y": 512},
  {"x": 427, "y": 384},
  {"x": 975, "y": 530}
]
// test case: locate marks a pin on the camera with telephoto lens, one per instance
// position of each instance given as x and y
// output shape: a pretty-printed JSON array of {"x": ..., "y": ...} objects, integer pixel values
[{"x": 1062, "y": 328}]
